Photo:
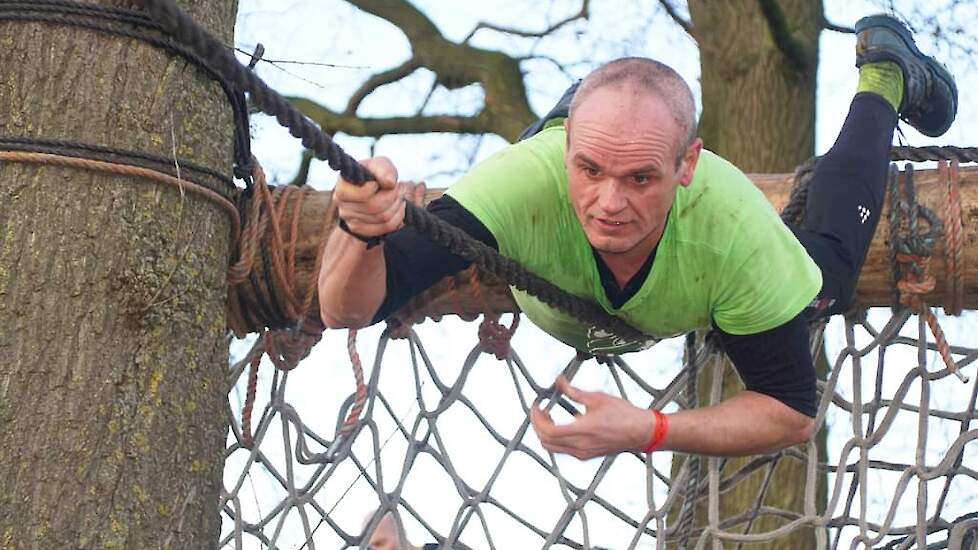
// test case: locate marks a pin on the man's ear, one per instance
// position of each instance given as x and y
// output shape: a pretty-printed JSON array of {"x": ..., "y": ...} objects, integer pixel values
[{"x": 688, "y": 166}]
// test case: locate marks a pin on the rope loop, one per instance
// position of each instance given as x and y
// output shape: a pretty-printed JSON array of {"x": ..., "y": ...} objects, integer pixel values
[{"x": 912, "y": 248}]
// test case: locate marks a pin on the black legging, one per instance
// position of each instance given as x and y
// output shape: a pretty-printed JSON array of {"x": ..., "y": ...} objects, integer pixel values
[{"x": 845, "y": 197}]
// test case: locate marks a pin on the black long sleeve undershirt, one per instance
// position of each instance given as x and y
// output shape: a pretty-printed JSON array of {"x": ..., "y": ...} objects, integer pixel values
[{"x": 414, "y": 263}]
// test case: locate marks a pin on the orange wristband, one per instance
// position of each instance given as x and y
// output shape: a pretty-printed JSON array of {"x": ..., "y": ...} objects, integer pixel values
[{"x": 659, "y": 433}]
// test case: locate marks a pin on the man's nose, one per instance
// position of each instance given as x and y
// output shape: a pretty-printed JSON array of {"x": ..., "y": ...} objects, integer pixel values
[{"x": 611, "y": 198}]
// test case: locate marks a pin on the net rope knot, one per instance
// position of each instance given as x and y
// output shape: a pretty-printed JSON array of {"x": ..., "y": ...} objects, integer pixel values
[{"x": 494, "y": 337}]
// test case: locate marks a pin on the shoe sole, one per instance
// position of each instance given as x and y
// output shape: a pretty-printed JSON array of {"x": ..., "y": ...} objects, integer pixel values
[{"x": 908, "y": 41}]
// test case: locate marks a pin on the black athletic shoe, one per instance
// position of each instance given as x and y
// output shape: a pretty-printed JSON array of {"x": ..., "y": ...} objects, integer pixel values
[{"x": 930, "y": 96}]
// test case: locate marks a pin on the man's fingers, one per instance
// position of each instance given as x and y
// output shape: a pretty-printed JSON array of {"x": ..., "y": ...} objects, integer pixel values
[
  {"x": 380, "y": 206},
  {"x": 384, "y": 177},
  {"x": 544, "y": 425},
  {"x": 559, "y": 449},
  {"x": 346, "y": 192},
  {"x": 547, "y": 430},
  {"x": 541, "y": 420},
  {"x": 375, "y": 207},
  {"x": 572, "y": 448},
  {"x": 383, "y": 170},
  {"x": 566, "y": 438},
  {"x": 586, "y": 398}
]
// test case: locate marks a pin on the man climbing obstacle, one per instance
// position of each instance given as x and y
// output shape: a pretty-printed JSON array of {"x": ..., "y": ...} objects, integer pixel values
[{"x": 612, "y": 197}]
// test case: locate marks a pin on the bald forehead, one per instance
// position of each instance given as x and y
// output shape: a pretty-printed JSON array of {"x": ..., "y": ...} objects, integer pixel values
[
  {"x": 648, "y": 79},
  {"x": 624, "y": 108}
]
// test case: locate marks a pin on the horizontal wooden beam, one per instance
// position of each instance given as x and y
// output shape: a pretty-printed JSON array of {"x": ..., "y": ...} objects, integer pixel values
[{"x": 459, "y": 295}]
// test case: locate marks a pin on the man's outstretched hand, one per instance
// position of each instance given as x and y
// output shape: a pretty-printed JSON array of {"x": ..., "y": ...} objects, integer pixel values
[{"x": 608, "y": 426}]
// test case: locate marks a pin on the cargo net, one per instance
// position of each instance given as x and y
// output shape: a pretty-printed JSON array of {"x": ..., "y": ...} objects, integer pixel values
[
  {"x": 434, "y": 446},
  {"x": 448, "y": 449}
]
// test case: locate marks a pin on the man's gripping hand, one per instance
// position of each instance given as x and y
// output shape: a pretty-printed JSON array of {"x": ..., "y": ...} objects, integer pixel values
[
  {"x": 609, "y": 426},
  {"x": 376, "y": 207}
]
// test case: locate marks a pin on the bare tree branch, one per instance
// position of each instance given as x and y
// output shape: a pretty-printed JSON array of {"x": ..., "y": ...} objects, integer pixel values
[
  {"x": 427, "y": 97},
  {"x": 560, "y": 66},
  {"x": 830, "y": 26},
  {"x": 409, "y": 19},
  {"x": 302, "y": 176},
  {"x": 353, "y": 125},
  {"x": 378, "y": 80},
  {"x": 583, "y": 13},
  {"x": 671, "y": 11},
  {"x": 505, "y": 112},
  {"x": 786, "y": 43}
]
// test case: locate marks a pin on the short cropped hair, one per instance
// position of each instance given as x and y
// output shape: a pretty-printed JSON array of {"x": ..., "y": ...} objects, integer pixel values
[{"x": 650, "y": 76}]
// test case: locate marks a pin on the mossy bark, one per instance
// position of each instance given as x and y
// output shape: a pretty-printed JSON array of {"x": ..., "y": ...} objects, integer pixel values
[
  {"x": 758, "y": 61},
  {"x": 112, "y": 388}
]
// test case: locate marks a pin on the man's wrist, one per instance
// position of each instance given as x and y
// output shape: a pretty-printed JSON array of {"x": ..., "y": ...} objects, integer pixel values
[
  {"x": 370, "y": 241},
  {"x": 659, "y": 431}
]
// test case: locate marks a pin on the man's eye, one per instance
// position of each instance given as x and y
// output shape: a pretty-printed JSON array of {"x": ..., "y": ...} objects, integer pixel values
[
  {"x": 641, "y": 179},
  {"x": 591, "y": 171}
]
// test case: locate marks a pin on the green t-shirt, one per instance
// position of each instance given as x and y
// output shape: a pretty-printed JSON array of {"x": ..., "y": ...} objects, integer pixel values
[{"x": 724, "y": 254}]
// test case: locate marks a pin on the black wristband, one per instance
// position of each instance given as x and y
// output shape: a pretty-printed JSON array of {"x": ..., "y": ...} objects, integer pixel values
[{"x": 371, "y": 241}]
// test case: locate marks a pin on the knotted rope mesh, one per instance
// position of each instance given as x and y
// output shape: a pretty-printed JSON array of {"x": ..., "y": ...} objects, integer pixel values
[
  {"x": 448, "y": 449},
  {"x": 441, "y": 438}
]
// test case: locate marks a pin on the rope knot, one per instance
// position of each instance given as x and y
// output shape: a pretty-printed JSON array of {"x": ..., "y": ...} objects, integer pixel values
[
  {"x": 916, "y": 281},
  {"x": 286, "y": 348},
  {"x": 494, "y": 337},
  {"x": 398, "y": 330}
]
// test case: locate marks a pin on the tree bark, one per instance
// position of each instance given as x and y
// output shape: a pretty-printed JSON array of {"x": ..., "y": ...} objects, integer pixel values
[
  {"x": 758, "y": 63},
  {"x": 113, "y": 389}
]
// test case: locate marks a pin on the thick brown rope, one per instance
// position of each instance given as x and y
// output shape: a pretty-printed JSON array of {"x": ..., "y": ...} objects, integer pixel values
[
  {"x": 127, "y": 170},
  {"x": 953, "y": 242},
  {"x": 360, "y": 399},
  {"x": 247, "y": 440}
]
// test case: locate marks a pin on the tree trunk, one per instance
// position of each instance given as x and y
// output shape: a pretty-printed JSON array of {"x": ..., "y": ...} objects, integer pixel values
[
  {"x": 758, "y": 61},
  {"x": 758, "y": 86},
  {"x": 112, "y": 390}
]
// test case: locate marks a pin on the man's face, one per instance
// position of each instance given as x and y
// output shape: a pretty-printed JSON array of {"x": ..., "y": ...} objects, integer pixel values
[{"x": 621, "y": 162}]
